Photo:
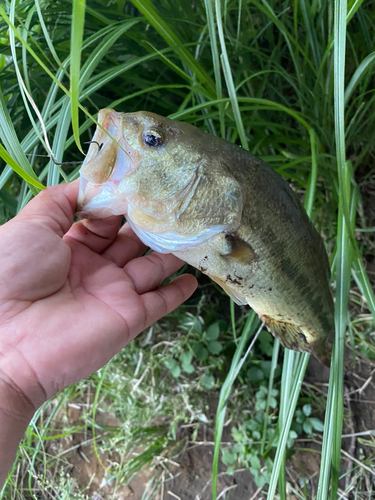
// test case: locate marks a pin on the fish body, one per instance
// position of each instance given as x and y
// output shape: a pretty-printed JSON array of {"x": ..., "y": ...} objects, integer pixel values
[{"x": 220, "y": 209}]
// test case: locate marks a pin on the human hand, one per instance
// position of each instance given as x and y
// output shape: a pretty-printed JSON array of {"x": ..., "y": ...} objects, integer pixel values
[{"x": 71, "y": 296}]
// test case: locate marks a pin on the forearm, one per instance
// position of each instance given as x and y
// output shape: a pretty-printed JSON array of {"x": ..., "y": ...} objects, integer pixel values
[{"x": 15, "y": 414}]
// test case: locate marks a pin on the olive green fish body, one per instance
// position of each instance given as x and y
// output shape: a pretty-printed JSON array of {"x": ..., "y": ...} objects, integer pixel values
[{"x": 222, "y": 210}]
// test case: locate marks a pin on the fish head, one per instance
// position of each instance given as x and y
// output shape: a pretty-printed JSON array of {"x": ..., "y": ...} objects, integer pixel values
[{"x": 161, "y": 175}]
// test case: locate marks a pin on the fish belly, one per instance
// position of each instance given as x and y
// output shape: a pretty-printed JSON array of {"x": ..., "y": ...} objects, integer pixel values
[{"x": 249, "y": 276}]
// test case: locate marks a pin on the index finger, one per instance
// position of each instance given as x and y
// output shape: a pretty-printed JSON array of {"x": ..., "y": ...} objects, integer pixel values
[{"x": 53, "y": 207}]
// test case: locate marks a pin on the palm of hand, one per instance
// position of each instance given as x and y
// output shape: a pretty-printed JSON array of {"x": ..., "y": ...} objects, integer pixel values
[{"x": 67, "y": 305}]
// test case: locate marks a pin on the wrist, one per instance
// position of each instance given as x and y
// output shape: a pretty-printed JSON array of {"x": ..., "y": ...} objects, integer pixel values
[
  {"x": 20, "y": 392},
  {"x": 15, "y": 405},
  {"x": 15, "y": 414}
]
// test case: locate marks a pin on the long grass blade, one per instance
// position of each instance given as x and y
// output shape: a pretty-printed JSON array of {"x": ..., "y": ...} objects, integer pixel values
[
  {"x": 236, "y": 365},
  {"x": 310, "y": 194},
  {"x": 162, "y": 27},
  {"x": 47, "y": 36},
  {"x": 275, "y": 356},
  {"x": 365, "y": 66},
  {"x": 229, "y": 78},
  {"x": 215, "y": 62},
  {"x": 331, "y": 450},
  {"x": 298, "y": 375},
  {"x": 19, "y": 170},
  {"x": 10, "y": 140},
  {"x": 78, "y": 21}
]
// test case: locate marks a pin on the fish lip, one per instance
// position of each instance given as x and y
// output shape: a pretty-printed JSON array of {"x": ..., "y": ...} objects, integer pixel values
[
  {"x": 104, "y": 168},
  {"x": 91, "y": 206}
]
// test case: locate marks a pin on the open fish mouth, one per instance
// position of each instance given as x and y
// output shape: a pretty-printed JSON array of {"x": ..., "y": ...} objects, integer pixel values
[{"x": 108, "y": 162}]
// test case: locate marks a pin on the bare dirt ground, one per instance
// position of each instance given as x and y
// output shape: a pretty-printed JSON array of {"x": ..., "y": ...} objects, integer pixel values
[{"x": 188, "y": 475}]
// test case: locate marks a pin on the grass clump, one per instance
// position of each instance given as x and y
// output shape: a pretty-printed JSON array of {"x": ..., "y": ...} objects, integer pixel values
[{"x": 294, "y": 84}]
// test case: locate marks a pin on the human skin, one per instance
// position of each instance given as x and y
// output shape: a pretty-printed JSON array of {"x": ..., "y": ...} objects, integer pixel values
[{"x": 71, "y": 296}]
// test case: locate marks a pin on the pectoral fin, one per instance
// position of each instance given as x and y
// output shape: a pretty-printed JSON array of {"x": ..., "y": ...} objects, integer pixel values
[
  {"x": 238, "y": 250},
  {"x": 234, "y": 294}
]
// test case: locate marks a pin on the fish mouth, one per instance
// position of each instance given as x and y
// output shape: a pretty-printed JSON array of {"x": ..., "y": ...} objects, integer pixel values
[{"x": 109, "y": 160}]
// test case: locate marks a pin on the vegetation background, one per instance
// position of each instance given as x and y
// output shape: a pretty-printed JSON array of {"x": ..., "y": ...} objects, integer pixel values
[{"x": 293, "y": 82}]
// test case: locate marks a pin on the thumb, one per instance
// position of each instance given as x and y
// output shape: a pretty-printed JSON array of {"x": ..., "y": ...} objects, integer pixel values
[{"x": 53, "y": 207}]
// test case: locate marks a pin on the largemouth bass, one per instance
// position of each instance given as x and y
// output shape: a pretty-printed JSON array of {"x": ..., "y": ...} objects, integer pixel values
[{"x": 220, "y": 209}]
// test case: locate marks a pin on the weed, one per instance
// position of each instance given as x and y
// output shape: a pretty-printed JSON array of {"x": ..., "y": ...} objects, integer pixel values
[{"x": 294, "y": 83}]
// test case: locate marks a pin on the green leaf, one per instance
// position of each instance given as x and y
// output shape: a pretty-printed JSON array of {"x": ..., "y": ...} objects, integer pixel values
[
  {"x": 266, "y": 342},
  {"x": 238, "y": 448},
  {"x": 255, "y": 462},
  {"x": 228, "y": 457},
  {"x": 256, "y": 435},
  {"x": 208, "y": 381},
  {"x": 292, "y": 436},
  {"x": 176, "y": 371},
  {"x": 197, "y": 326},
  {"x": 317, "y": 424},
  {"x": 259, "y": 479},
  {"x": 186, "y": 357},
  {"x": 307, "y": 427},
  {"x": 255, "y": 374},
  {"x": 215, "y": 347},
  {"x": 187, "y": 368},
  {"x": 237, "y": 435},
  {"x": 230, "y": 470},
  {"x": 213, "y": 332},
  {"x": 200, "y": 351},
  {"x": 170, "y": 363},
  {"x": 307, "y": 410}
]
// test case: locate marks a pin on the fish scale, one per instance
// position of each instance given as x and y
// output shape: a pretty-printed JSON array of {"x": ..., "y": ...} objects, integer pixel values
[{"x": 220, "y": 209}]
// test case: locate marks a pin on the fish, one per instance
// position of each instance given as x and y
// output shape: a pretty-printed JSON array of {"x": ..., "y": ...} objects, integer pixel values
[{"x": 219, "y": 208}]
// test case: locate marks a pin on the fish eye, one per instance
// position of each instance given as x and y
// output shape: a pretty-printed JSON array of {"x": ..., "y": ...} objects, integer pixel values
[{"x": 153, "y": 138}]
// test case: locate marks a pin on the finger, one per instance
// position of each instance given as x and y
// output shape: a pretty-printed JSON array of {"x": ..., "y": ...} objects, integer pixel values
[
  {"x": 126, "y": 247},
  {"x": 54, "y": 207},
  {"x": 160, "y": 302},
  {"x": 151, "y": 270},
  {"x": 96, "y": 234}
]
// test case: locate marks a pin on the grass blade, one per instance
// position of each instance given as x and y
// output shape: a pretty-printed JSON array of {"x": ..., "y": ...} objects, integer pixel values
[
  {"x": 13, "y": 148},
  {"x": 331, "y": 450},
  {"x": 46, "y": 35},
  {"x": 19, "y": 170},
  {"x": 298, "y": 376},
  {"x": 310, "y": 194},
  {"x": 275, "y": 356},
  {"x": 236, "y": 365},
  {"x": 147, "y": 9},
  {"x": 229, "y": 78},
  {"x": 215, "y": 62},
  {"x": 78, "y": 21},
  {"x": 366, "y": 65}
]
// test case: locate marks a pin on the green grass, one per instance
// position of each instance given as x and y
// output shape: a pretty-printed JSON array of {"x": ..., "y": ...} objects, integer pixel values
[{"x": 292, "y": 82}]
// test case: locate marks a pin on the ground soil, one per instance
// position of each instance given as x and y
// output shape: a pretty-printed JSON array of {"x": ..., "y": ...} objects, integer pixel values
[{"x": 188, "y": 475}]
